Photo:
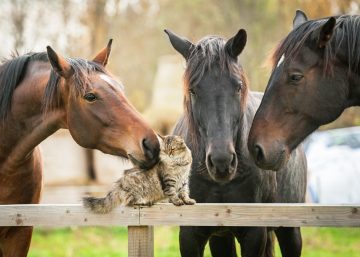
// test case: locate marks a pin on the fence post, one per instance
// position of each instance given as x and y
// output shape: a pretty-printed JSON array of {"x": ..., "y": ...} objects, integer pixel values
[{"x": 141, "y": 241}]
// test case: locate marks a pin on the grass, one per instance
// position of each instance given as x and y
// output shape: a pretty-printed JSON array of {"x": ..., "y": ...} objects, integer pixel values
[{"x": 111, "y": 242}]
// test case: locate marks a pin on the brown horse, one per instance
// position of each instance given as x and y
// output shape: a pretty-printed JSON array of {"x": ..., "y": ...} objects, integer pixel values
[
  {"x": 43, "y": 92},
  {"x": 316, "y": 75}
]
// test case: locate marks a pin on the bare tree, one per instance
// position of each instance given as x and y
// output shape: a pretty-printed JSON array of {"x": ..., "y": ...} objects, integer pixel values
[
  {"x": 96, "y": 21},
  {"x": 18, "y": 16}
]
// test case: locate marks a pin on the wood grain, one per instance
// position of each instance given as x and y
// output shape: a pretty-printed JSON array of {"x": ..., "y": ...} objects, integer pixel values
[
  {"x": 290, "y": 215},
  {"x": 62, "y": 215},
  {"x": 141, "y": 241}
]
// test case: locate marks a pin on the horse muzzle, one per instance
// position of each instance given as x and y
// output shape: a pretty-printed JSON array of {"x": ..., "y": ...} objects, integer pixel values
[
  {"x": 268, "y": 156},
  {"x": 150, "y": 151},
  {"x": 221, "y": 165}
]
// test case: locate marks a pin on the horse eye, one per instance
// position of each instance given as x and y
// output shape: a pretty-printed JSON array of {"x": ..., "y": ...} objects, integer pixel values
[
  {"x": 240, "y": 86},
  {"x": 90, "y": 97},
  {"x": 296, "y": 77},
  {"x": 192, "y": 92}
]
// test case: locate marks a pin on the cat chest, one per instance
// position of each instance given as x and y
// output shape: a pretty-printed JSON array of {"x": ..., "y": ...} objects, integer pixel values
[{"x": 175, "y": 181}]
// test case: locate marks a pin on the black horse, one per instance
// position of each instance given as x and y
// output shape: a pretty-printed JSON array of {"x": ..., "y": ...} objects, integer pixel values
[
  {"x": 219, "y": 110},
  {"x": 316, "y": 75}
]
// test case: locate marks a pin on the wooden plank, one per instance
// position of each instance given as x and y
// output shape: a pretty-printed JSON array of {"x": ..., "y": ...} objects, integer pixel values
[
  {"x": 60, "y": 215},
  {"x": 289, "y": 215},
  {"x": 141, "y": 241}
]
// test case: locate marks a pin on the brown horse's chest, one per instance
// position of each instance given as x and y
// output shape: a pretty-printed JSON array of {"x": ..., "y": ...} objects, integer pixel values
[{"x": 23, "y": 184}]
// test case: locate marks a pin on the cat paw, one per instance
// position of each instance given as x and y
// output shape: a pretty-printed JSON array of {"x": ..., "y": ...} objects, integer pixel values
[
  {"x": 177, "y": 201},
  {"x": 139, "y": 204},
  {"x": 149, "y": 204},
  {"x": 189, "y": 201}
]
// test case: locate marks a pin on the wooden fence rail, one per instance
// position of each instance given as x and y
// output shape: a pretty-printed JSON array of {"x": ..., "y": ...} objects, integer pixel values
[{"x": 140, "y": 220}]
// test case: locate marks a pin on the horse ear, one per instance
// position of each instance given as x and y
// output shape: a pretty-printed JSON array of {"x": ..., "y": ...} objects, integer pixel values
[
  {"x": 326, "y": 32},
  {"x": 103, "y": 56},
  {"x": 300, "y": 18},
  {"x": 236, "y": 44},
  {"x": 182, "y": 45},
  {"x": 60, "y": 65}
]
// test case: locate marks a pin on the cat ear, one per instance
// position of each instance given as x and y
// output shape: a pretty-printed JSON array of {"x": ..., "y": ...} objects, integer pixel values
[
  {"x": 160, "y": 136},
  {"x": 161, "y": 140}
]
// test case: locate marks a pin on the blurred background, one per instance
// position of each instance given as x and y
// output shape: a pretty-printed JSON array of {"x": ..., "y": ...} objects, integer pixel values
[{"x": 143, "y": 59}]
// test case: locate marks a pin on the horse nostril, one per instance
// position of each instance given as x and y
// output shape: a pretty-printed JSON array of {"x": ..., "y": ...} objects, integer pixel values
[
  {"x": 259, "y": 153},
  {"x": 210, "y": 162},
  {"x": 148, "y": 148},
  {"x": 233, "y": 161},
  {"x": 221, "y": 163}
]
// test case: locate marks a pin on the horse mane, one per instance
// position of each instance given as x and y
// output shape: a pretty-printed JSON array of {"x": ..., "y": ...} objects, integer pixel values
[
  {"x": 345, "y": 34},
  {"x": 12, "y": 72},
  {"x": 207, "y": 54}
]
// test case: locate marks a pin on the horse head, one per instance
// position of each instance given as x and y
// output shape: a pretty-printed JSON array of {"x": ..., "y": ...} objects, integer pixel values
[
  {"x": 215, "y": 92},
  {"x": 98, "y": 114}
]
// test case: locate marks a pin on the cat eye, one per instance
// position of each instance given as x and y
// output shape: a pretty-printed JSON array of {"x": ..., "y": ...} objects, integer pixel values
[
  {"x": 192, "y": 92},
  {"x": 90, "y": 97}
]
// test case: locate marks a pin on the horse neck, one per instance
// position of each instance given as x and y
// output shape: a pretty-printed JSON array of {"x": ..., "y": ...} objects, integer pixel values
[
  {"x": 26, "y": 126},
  {"x": 354, "y": 89},
  {"x": 247, "y": 116}
]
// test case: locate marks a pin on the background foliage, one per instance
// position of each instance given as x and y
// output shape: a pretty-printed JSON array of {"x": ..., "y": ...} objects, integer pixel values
[{"x": 81, "y": 27}]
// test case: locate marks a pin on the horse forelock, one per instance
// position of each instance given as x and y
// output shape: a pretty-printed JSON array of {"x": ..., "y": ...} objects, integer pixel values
[
  {"x": 345, "y": 32},
  {"x": 207, "y": 54}
]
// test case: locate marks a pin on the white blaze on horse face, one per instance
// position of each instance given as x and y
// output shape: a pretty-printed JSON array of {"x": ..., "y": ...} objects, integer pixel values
[
  {"x": 111, "y": 81},
  {"x": 281, "y": 60}
]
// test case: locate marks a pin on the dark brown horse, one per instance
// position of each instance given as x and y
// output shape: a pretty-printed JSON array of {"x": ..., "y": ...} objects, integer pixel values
[
  {"x": 43, "y": 92},
  {"x": 219, "y": 109},
  {"x": 316, "y": 75}
]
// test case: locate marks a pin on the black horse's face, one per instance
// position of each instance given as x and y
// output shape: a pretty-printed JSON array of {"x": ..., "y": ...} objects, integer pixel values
[
  {"x": 298, "y": 99},
  {"x": 213, "y": 98},
  {"x": 215, "y": 106}
]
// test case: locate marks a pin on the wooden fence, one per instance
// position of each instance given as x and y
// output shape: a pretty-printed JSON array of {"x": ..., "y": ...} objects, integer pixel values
[{"x": 140, "y": 220}]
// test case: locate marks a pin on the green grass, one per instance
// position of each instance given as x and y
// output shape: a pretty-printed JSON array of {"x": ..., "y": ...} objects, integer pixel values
[{"x": 111, "y": 242}]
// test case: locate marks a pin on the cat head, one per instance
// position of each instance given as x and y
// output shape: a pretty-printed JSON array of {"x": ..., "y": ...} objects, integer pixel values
[{"x": 172, "y": 145}]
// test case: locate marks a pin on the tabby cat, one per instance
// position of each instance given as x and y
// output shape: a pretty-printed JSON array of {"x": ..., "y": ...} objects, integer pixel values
[{"x": 167, "y": 179}]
